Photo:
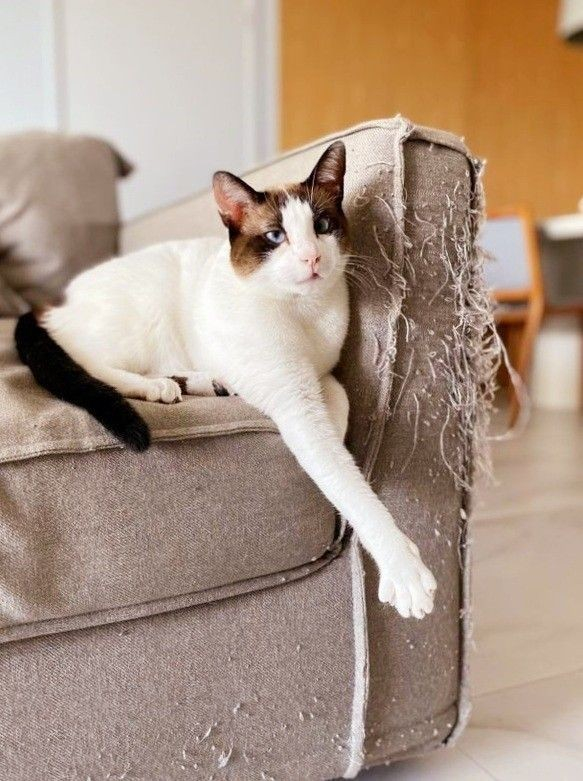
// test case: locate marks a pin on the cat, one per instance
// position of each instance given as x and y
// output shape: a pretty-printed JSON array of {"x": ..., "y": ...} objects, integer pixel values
[{"x": 263, "y": 314}]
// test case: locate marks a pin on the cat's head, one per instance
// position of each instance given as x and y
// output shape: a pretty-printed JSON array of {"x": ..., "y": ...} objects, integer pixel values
[{"x": 291, "y": 240}]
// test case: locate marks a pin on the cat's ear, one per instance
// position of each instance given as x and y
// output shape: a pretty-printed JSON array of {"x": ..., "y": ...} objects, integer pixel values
[
  {"x": 233, "y": 197},
  {"x": 329, "y": 171}
]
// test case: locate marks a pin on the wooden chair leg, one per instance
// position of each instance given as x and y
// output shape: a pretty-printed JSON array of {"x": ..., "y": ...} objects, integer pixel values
[
  {"x": 581, "y": 359},
  {"x": 532, "y": 326}
]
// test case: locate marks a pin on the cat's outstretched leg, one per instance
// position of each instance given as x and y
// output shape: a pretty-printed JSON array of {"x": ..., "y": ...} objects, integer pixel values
[
  {"x": 294, "y": 400},
  {"x": 168, "y": 390},
  {"x": 336, "y": 402},
  {"x": 136, "y": 386}
]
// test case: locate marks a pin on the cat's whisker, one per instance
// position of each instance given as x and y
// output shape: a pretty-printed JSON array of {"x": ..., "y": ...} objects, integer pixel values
[
  {"x": 358, "y": 273},
  {"x": 359, "y": 264},
  {"x": 360, "y": 257},
  {"x": 366, "y": 272},
  {"x": 357, "y": 282},
  {"x": 354, "y": 272},
  {"x": 367, "y": 277}
]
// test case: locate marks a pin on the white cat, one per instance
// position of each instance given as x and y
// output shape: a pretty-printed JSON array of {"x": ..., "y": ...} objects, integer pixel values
[{"x": 263, "y": 314}]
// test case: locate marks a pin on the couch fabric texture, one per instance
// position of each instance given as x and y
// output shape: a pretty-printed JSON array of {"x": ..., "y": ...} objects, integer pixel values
[
  {"x": 199, "y": 610},
  {"x": 58, "y": 213}
]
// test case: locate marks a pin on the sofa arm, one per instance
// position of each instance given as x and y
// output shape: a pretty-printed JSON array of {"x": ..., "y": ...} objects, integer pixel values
[
  {"x": 419, "y": 366},
  {"x": 420, "y": 310}
]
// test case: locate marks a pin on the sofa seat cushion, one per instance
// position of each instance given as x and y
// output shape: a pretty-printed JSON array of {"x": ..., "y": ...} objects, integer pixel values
[{"x": 92, "y": 533}]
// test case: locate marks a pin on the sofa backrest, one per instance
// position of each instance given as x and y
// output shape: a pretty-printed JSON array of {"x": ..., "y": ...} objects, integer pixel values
[{"x": 58, "y": 213}]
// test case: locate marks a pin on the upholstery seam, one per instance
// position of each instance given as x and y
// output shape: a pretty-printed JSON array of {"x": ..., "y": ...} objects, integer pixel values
[
  {"x": 70, "y": 446},
  {"x": 170, "y": 604}
]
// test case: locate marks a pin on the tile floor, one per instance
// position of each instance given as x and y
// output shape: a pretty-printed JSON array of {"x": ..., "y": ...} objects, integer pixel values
[{"x": 527, "y": 674}]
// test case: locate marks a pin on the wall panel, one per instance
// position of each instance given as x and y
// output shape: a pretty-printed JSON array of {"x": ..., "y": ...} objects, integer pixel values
[{"x": 494, "y": 72}]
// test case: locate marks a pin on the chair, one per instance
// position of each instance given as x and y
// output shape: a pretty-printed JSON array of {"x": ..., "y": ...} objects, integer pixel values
[{"x": 515, "y": 278}]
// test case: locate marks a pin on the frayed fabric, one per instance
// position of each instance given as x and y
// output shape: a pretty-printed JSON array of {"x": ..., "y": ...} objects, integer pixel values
[
  {"x": 464, "y": 362},
  {"x": 453, "y": 399}
]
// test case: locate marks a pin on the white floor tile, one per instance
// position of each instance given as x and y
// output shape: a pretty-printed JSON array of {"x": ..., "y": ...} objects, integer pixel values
[
  {"x": 528, "y": 585},
  {"x": 548, "y": 710},
  {"x": 443, "y": 765},
  {"x": 518, "y": 756}
]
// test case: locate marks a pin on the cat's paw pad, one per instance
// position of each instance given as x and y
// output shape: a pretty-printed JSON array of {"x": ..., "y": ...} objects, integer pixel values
[
  {"x": 406, "y": 583},
  {"x": 164, "y": 390}
]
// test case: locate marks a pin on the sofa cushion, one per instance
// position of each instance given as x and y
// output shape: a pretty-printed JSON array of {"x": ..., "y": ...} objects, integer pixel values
[
  {"x": 92, "y": 533},
  {"x": 58, "y": 213}
]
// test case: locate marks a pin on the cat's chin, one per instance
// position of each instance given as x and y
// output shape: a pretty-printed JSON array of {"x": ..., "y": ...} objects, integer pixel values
[
  {"x": 310, "y": 284},
  {"x": 312, "y": 278},
  {"x": 311, "y": 287}
]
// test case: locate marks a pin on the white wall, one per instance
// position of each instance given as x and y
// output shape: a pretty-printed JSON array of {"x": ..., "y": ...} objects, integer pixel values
[
  {"x": 557, "y": 374},
  {"x": 182, "y": 87},
  {"x": 26, "y": 96}
]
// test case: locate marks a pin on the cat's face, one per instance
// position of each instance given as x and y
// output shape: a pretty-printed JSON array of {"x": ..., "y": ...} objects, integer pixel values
[{"x": 289, "y": 241}]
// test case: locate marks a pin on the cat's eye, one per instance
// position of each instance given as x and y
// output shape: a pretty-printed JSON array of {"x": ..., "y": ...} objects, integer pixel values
[
  {"x": 275, "y": 237},
  {"x": 323, "y": 225}
]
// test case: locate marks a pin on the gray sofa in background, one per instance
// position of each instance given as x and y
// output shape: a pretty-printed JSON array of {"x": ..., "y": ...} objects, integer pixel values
[{"x": 199, "y": 611}]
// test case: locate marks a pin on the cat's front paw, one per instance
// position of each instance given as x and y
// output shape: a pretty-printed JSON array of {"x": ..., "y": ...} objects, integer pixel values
[
  {"x": 163, "y": 389},
  {"x": 201, "y": 384},
  {"x": 405, "y": 582}
]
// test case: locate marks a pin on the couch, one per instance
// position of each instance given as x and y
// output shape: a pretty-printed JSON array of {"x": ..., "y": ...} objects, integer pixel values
[{"x": 199, "y": 610}]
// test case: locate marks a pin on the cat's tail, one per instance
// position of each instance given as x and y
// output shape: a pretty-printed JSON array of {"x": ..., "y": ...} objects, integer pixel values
[{"x": 56, "y": 371}]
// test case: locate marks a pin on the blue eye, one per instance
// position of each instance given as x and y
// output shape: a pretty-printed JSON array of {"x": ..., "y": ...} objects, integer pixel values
[
  {"x": 323, "y": 225},
  {"x": 275, "y": 237}
]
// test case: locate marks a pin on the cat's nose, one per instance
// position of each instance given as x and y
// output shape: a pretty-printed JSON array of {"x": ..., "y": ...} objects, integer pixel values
[{"x": 311, "y": 258}]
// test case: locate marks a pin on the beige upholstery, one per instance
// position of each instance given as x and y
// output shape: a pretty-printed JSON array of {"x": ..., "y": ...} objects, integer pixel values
[
  {"x": 58, "y": 213},
  {"x": 280, "y": 650}
]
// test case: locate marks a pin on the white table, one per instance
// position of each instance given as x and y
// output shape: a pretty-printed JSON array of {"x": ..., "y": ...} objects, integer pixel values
[{"x": 565, "y": 226}]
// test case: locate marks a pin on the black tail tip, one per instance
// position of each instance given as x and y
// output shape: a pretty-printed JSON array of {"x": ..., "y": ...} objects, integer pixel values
[{"x": 137, "y": 437}]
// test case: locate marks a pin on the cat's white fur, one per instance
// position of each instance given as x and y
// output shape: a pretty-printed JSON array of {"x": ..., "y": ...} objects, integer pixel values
[{"x": 273, "y": 337}]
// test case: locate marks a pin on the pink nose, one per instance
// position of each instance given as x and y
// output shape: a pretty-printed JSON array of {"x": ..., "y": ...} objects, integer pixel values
[{"x": 312, "y": 259}]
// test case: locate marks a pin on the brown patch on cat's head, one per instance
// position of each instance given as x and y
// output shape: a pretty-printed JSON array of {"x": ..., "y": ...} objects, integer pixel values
[{"x": 249, "y": 215}]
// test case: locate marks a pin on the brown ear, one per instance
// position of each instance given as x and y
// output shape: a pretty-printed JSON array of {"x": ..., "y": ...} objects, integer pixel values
[
  {"x": 329, "y": 170},
  {"x": 233, "y": 197}
]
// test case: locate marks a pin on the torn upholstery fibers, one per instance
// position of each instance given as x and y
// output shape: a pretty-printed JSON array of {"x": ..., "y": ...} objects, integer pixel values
[{"x": 306, "y": 675}]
